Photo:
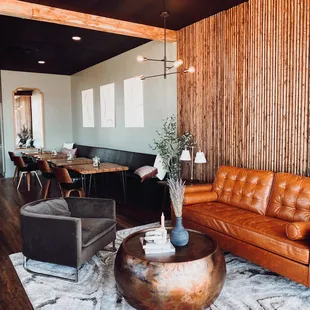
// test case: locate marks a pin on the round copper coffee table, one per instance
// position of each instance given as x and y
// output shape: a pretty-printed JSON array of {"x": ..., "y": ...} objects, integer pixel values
[{"x": 191, "y": 278}]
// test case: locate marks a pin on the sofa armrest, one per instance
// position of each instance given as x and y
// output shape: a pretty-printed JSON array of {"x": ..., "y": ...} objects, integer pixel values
[
  {"x": 199, "y": 197},
  {"x": 92, "y": 207},
  {"x": 298, "y": 230},
  {"x": 50, "y": 238},
  {"x": 198, "y": 188}
]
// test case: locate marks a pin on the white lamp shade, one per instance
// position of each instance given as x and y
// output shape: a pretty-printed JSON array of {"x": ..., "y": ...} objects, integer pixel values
[
  {"x": 185, "y": 155},
  {"x": 200, "y": 158}
]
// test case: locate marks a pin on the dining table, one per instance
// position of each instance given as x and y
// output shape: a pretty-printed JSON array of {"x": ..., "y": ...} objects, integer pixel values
[
  {"x": 35, "y": 153},
  {"x": 61, "y": 162},
  {"x": 51, "y": 156},
  {"x": 105, "y": 167}
]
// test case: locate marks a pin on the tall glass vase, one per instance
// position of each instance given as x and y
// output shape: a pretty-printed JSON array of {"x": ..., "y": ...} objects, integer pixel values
[{"x": 179, "y": 235}]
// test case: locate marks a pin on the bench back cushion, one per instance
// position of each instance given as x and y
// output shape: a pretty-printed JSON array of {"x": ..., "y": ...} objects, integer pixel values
[
  {"x": 244, "y": 188},
  {"x": 133, "y": 160},
  {"x": 290, "y": 198}
]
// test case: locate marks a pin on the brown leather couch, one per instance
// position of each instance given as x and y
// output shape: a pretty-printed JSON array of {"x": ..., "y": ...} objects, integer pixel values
[{"x": 259, "y": 215}]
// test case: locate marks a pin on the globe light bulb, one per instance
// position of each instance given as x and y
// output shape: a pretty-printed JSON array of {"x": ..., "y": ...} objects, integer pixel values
[
  {"x": 178, "y": 63},
  {"x": 141, "y": 58},
  {"x": 191, "y": 69}
]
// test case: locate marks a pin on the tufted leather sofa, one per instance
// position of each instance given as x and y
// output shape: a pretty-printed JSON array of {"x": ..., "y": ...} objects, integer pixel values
[{"x": 259, "y": 215}]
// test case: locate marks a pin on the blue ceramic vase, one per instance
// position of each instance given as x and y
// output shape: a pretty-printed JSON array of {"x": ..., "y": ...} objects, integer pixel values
[{"x": 179, "y": 235}]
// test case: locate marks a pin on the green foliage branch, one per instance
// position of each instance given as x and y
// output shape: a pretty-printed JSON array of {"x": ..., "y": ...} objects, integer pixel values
[{"x": 169, "y": 146}]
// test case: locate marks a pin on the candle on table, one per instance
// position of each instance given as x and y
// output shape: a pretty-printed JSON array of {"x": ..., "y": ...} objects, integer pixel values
[{"x": 162, "y": 220}]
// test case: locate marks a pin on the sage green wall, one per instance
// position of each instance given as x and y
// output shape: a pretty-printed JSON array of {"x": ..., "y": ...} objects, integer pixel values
[
  {"x": 160, "y": 99},
  {"x": 57, "y": 108}
]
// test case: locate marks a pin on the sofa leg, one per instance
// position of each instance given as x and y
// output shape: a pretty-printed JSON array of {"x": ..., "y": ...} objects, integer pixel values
[{"x": 76, "y": 274}]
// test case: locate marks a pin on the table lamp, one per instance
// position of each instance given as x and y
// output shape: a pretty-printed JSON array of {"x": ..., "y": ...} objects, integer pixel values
[{"x": 199, "y": 159}]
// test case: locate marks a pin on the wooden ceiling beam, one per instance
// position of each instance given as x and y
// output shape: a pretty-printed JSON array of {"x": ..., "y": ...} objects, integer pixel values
[{"x": 82, "y": 20}]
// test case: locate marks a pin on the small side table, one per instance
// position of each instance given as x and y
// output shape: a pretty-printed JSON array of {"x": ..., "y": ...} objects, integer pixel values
[{"x": 190, "y": 278}]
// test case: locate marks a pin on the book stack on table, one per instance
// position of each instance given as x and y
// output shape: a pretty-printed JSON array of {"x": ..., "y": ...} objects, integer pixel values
[
  {"x": 157, "y": 241},
  {"x": 150, "y": 247}
]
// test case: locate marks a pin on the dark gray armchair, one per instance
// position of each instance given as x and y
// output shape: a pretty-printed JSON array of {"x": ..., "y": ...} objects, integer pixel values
[{"x": 69, "y": 234}]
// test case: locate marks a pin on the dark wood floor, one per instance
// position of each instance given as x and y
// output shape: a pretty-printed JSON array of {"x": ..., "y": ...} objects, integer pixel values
[{"x": 12, "y": 294}]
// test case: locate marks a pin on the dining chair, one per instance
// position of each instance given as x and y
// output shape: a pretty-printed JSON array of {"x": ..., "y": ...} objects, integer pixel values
[
  {"x": 27, "y": 170},
  {"x": 67, "y": 183},
  {"x": 16, "y": 172},
  {"x": 47, "y": 173}
]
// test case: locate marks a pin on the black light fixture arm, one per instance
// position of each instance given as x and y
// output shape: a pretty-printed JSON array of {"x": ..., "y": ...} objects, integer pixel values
[
  {"x": 158, "y": 75},
  {"x": 152, "y": 59},
  {"x": 167, "y": 63}
]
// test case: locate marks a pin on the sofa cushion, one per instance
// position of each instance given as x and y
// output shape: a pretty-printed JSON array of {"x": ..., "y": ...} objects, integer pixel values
[
  {"x": 243, "y": 188},
  {"x": 161, "y": 171},
  {"x": 69, "y": 151},
  {"x": 290, "y": 198},
  {"x": 95, "y": 228},
  {"x": 298, "y": 230},
  {"x": 57, "y": 206},
  {"x": 146, "y": 172},
  {"x": 193, "y": 198},
  {"x": 194, "y": 188},
  {"x": 258, "y": 230}
]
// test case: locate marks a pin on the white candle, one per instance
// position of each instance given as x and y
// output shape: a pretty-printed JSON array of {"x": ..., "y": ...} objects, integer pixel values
[{"x": 162, "y": 220}]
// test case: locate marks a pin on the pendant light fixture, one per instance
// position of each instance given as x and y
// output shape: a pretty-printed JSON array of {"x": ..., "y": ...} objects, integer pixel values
[{"x": 168, "y": 64}]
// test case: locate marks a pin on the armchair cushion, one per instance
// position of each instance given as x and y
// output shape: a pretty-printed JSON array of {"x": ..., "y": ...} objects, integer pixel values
[
  {"x": 95, "y": 228},
  {"x": 298, "y": 230},
  {"x": 57, "y": 206},
  {"x": 92, "y": 207}
]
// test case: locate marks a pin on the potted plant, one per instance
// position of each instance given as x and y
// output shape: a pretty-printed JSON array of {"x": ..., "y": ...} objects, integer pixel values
[
  {"x": 169, "y": 146},
  {"x": 24, "y": 134}
]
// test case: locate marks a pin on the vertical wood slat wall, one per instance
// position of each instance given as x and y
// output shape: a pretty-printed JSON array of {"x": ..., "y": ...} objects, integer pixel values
[{"x": 248, "y": 102}]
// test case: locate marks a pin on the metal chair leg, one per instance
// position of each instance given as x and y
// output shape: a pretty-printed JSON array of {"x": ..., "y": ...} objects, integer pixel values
[
  {"x": 76, "y": 275},
  {"x": 37, "y": 177},
  {"x": 15, "y": 174},
  {"x": 124, "y": 180},
  {"x": 20, "y": 179}
]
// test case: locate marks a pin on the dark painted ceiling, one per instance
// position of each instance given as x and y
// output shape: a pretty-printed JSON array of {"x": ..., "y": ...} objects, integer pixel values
[{"x": 24, "y": 42}]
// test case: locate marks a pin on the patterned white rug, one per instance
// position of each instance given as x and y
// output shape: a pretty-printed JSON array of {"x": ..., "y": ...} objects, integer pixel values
[{"x": 247, "y": 286}]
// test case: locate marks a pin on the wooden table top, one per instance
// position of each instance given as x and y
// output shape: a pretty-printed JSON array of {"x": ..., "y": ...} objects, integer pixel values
[
  {"x": 199, "y": 246},
  {"x": 50, "y": 156},
  {"x": 36, "y": 153},
  {"x": 90, "y": 169},
  {"x": 59, "y": 162}
]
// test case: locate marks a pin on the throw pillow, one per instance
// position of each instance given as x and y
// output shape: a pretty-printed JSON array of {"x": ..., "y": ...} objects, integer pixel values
[
  {"x": 57, "y": 206},
  {"x": 68, "y": 151},
  {"x": 68, "y": 145},
  {"x": 161, "y": 171},
  {"x": 146, "y": 172}
]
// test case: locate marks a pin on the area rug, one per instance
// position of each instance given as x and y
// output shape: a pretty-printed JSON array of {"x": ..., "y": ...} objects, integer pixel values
[{"x": 247, "y": 286}]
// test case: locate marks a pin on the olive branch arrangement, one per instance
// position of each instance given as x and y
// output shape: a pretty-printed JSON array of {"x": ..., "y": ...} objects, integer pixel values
[{"x": 170, "y": 146}]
